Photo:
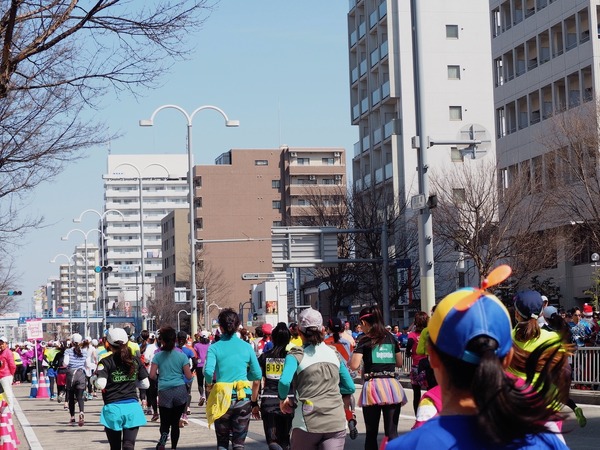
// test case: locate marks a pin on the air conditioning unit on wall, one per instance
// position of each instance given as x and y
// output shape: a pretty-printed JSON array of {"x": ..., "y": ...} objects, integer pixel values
[
  {"x": 312, "y": 177},
  {"x": 293, "y": 154}
]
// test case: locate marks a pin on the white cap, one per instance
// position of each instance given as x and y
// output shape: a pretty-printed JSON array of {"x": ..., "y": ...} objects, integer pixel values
[
  {"x": 94, "y": 342},
  {"x": 117, "y": 336},
  {"x": 205, "y": 334},
  {"x": 4, "y": 339},
  {"x": 76, "y": 338}
]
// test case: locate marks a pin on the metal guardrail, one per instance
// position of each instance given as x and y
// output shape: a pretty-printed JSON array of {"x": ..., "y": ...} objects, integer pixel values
[{"x": 586, "y": 366}]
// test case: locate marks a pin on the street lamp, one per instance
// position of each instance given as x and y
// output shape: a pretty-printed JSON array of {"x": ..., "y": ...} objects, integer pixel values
[
  {"x": 71, "y": 262},
  {"x": 102, "y": 217},
  {"x": 141, "y": 200},
  {"x": 180, "y": 311},
  {"x": 87, "y": 269},
  {"x": 190, "y": 118}
]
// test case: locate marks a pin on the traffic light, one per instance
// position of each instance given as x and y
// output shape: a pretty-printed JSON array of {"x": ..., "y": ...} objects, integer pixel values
[
  {"x": 99, "y": 269},
  {"x": 13, "y": 292},
  {"x": 255, "y": 317}
]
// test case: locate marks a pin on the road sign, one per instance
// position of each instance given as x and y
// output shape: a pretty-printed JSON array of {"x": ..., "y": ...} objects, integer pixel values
[
  {"x": 34, "y": 329},
  {"x": 59, "y": 310},
  {"x": 250, "y": 276}
]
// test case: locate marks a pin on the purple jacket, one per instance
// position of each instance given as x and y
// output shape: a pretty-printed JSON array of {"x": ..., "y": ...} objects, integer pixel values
[{"x": 201, "y": 351}]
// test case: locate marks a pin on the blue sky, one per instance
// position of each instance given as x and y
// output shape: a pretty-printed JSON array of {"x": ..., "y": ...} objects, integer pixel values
[{"x": 279, "y": 67}]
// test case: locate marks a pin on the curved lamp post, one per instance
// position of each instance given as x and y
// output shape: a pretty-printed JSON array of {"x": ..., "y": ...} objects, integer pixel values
[
  {"x": 180, "y": 311},
  {"x": 102, "y": 217},
  {"x": 71, "y": 262},
  {"x": 87, "y": 271},
  {"x": 190, "y": 118}
]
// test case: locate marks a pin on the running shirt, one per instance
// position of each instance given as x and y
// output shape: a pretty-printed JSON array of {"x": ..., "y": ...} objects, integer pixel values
[
  {"x": 462, "y": 432},
  {"x": 120, "y": 385},
  {"x": 381, "y": 358}
]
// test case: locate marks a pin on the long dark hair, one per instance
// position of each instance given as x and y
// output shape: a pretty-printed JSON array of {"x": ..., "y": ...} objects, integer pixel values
[
  {"x": 372, "y": 315},
  {"x": 123, "y": 358},
  {"x": 281, "y": 338},
  {"x": 229, "y": 321},
  {"x": 507, "y": 411},
  {"x": 527, "y": 330},
  {"x": 168, "y": 337},
  {"x": 76, "y": 349}
]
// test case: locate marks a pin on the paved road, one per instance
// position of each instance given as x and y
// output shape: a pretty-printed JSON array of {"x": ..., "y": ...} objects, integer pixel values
[{"x": 43, "y": 424}]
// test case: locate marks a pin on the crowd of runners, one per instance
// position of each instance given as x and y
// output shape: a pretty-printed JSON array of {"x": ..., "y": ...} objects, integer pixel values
[{"x": 482, "y": 378}]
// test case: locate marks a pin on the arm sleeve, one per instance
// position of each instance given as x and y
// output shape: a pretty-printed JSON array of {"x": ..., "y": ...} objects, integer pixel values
[
  {"x": 346, "y": 381},
  {"x": 254, "y": 370},
  {"x": 289, "y": 369},
  {"x": 210, "y": 364}
]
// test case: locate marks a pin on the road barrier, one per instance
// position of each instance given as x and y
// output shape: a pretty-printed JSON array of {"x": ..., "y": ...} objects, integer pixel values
[{"x": 586, "y": 366}]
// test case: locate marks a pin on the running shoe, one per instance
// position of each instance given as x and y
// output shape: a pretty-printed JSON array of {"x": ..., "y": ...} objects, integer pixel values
[
  {"x": 352, "y": 428},
  {"x": 81, "y": 419},
  {"x": 162, "y": 441},
  {"x": 155, "y": 417},
  {"x": 201, "y": 402},
  {"x": 183, "y": 421},
  {"x": 581, "y": 420},
  {"x": 72, "y": 421}
]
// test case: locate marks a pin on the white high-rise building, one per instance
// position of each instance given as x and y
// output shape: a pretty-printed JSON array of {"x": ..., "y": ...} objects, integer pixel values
[
  {"x": 458, "y": 97},
  {"x": 144, "y": 188},
  {"x": 545, "y": 64}
]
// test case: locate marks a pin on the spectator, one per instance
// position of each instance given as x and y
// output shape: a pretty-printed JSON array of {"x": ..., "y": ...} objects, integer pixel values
[
  {"x": 295, "y": 339},
  {"x": 470, "y": 342},
  {"x": 7, "y": 371}
]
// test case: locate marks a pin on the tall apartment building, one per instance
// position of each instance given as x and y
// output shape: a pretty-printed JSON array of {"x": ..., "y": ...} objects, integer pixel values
[
  {"x": 545, "y": 56},
  {"x": 239, "y": 199},
  {"x": 456, "y": 73},
  {"x": 144, "y": 189}
]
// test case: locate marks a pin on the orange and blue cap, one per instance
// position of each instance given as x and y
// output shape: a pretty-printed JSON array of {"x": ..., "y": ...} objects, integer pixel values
[{"x": 453, "y": 326}]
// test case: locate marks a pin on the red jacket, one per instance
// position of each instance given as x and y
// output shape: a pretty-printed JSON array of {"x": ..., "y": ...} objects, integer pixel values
[{"x": 7, "y": 363}]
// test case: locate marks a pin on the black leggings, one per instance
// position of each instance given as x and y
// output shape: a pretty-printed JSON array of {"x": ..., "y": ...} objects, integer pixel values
[
  {"x": 152, "y": 396},
  {"x": 371, "y": 414},
  {"x": 200, "y": 378},
  {"x": 75, "y": 394},
  {"x": 277, "y": 427},
  {"x": 169, "y": 420},
  {"x": 126, "y": 437}
]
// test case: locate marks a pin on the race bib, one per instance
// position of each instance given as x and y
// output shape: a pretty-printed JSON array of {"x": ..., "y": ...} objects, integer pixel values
[
  {"x": 274, "y": 368},
  {"x": 383, "y": 353}
]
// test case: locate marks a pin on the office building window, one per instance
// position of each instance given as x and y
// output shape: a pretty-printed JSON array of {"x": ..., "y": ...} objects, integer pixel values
[
  {"x": 328, "y": 161},
  {"x": 454, "y": 72},
  {"x": 459, "y": 195},
  {"x": 261, "y": 162},
  {"x": 277, "y": 204},
  {"x": 452, "y": 31},
  {"x": 456, "y": 155},
  {"x": 276, "y": 184},
  {"x": 455, "y": 112},
  {"x": 303, "y": 161},
  {"x": 277, "y": 223}
]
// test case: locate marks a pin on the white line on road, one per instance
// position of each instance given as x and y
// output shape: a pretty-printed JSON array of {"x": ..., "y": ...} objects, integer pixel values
[{"x": 34, "y": 443}]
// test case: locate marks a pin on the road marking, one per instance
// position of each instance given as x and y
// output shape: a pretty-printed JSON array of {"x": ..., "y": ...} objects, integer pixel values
[
  {"x": 34, "y": 443},
  {"x": 254, "y": 436}
]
